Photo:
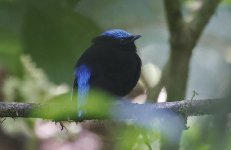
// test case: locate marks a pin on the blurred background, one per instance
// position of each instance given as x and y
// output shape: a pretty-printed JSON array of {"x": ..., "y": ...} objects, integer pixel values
[{"x": 40, "y": 41}]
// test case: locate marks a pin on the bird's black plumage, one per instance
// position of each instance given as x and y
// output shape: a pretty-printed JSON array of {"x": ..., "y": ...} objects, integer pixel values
[{"x": 112, "y": 61}]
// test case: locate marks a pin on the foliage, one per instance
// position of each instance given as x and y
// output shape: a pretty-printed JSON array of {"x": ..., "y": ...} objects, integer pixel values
[
  {"x": 32, "y": 86},
  {"x": 46, "y": 30}
]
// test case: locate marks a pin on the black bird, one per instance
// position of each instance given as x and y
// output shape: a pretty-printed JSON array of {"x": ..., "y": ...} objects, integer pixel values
[{"x": 110, "y": 63}]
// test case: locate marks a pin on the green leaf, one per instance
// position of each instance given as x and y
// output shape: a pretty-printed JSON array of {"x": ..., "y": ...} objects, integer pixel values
[
  {"x": 227, "y": 2},
  {"x": 61, "y": 107}
]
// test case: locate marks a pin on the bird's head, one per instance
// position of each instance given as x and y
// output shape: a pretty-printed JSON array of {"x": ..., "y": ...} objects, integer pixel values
[{"x": 117, "y": 36}]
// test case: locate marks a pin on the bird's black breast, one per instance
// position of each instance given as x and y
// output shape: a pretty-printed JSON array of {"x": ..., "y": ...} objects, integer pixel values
[{"x": 112, "y": 69}]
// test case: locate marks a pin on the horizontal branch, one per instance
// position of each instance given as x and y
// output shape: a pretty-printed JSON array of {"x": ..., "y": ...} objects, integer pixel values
[{"x": 119, "y": 109}]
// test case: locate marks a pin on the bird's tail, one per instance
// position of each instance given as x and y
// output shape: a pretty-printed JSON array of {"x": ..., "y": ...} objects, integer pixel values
[
  {"x": 72, "y": 89},
  {"x": 72, "y": 93},
  {"x": 83, "y": 75}
]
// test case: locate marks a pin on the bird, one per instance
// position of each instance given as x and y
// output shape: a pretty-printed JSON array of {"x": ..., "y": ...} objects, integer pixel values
[{"x": 110, "y": 64}]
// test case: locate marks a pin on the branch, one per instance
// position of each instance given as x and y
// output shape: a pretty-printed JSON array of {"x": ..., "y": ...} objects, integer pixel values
[
  {"x": 120, "y": 110},
  {"x": 173, "y": 15},
  {"x": 183, "y": 38},
  {"x": 201, "y": 17}
]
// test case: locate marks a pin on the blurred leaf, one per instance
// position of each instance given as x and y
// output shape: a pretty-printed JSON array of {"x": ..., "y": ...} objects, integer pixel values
[
  {"x": 55, "y": 36},
  {"x": 32, "y": 86},
  {"x": 11, "y": 13},
  {"x": 227, "y": 2},
  {"x": 10, "y": 50},
  {"x": 60, "y": 107},
  {"x": 128, "y": 137},
  {"x": 71, "y": 2},
  {"x": 131, "y": 137}
]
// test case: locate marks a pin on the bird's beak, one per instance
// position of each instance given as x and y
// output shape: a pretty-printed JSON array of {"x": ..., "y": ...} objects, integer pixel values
[
  {"x": 130, "y": 39},
  {"x": 135, "y": 37}
]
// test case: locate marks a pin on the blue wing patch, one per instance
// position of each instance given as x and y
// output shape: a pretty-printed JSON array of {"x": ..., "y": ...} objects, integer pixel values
[{"x": 82, "y": 74}]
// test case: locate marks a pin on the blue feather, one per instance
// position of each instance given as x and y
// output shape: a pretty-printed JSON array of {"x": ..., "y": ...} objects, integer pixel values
[
  {"x": 117, "y": 34},
  {"x": 83, "y": 75}
]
